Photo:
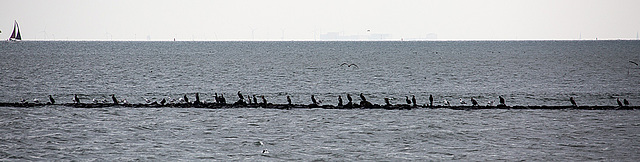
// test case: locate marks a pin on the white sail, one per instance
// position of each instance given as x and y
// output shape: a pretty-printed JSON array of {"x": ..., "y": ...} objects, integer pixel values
[{"x": 15, "y": 35}]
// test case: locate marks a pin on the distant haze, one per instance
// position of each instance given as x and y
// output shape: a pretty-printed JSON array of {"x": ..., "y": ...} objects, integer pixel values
[{"x": 322, "y": 20}]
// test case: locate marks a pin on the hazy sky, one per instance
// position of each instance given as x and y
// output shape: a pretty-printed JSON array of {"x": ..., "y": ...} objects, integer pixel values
[{"x": 307, "y": 20}]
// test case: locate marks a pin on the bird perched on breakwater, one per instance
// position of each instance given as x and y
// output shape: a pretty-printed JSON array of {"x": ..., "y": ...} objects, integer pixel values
[
  {"x": 113, "y": 97},
  {"x": 386, "y": 102},
  {"x": 149, "y": 101},
  {"x": 339, "y": 100},
  {"x": 264, "y": 101},
  {"x": 313, "y": 100},
  {"x": 626, "y": 103},
  {"x": 413, "y": 99},
  {"x": 349, "y": 98},
  {"x": 362, "y": 97},
  {"x": 52, "y": 100},
  {"x": 255, "y": 100},
  {"x": 197, "y": 99},
  {"x": 431, "y": 100},
  {"x": 185, "y": 98},
  {"x": 76, "y": 99},
  {"x": 619, "y": 103},
  {"x": 288, "y": 100},
  {"x": 163, "y": 101},
  {"x": 462, "y": 102},
  {"x": 573, "y": 102},
  {"x": 406, "y": 98},
  {"x": 240, "y": 96},
  {"x": 502, "y": 102},
  {"x": 474, "y": 102}
]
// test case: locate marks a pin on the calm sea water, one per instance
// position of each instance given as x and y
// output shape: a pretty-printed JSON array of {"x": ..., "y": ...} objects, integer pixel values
[{"x": 524, "y": 72}]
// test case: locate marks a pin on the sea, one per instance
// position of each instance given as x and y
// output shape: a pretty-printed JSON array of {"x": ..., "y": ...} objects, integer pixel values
[{"x": 525, "y": 73}]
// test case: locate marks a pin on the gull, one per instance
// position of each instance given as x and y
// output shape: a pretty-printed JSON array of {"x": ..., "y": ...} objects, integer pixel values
[
  {"x": 146, "y": 100},
  {"x": 349, "y": 65},
  {"x": 462, "y": 102}
]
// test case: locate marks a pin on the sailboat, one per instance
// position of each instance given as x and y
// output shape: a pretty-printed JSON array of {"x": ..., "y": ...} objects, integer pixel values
[{"x": 15, "y": 36}]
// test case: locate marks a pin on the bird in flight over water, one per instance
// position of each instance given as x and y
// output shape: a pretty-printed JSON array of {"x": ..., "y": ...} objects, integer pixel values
[{"x": 349, "y": 65}]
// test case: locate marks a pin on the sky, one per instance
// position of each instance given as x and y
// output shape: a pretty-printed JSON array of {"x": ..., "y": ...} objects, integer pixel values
[{"x": 260, "y": 20}]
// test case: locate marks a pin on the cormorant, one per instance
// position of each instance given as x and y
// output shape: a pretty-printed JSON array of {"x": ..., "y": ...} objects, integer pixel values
[
  {"x": 313, "y": 100},
  {"x": 474, "y": 102},
  {"x": 349, "y": 98},
  {"x": 197, "y": 99},
  {"x": 222, "y": 99},
  {"x": 573, "y": 102},
  {"x": 255, "y": 100},
  {"x": 215, "y": 96},
  {"x": 289, "y": 100},
  {"x": 362, "y": 97},
  {"x": 430, "y": 100},
  {"x": 339, "y": 100},
  {"x": 413, "y": 99},
  {"x": 52, "y": 100},
  {"x": 163, "y": 101},
  {"x": 185, "y": 98},
  {"x": 501, "y": 100},
  {"x": 625, "y": 102},
  {"x": 407, "y": 99},
  {"x": 619, "y": 103},
  {"x": 113, "y": 97},
  {"x": 76, "y": 99},
  {"x": 386, "y": 102},
  {"x": 240, "y": 96},
  {"x": 264, "y": 101}
]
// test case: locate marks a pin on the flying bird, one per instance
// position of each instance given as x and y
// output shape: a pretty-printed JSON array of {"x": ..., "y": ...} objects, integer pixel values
[
  {"x": 349, "y": 65},
  {"x": 634, "y": 63}
]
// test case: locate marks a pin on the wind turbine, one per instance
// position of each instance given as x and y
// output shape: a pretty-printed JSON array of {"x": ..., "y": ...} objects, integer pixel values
[
  {"x": 252, "y": 33},
  {"x": 45, "y": 32}
]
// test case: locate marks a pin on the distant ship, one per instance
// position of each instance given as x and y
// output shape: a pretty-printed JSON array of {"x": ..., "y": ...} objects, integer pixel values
[{"x": 15, "y": 36}]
